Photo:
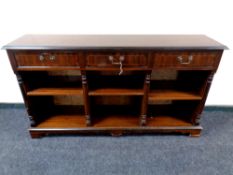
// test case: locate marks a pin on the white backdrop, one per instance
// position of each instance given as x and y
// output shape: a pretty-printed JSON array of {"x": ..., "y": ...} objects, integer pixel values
[{"x": 210, "y": 17}]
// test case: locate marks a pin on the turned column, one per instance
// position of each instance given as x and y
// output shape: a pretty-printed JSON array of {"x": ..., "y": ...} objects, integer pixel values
[
  {"x": 86, "y": 98},
  {"x": 197, "y": 116},
  {"x": 144, "y": 105},
  {"x": 27, "y": 102}
]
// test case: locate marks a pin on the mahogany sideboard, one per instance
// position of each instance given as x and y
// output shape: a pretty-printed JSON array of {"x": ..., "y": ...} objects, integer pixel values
[{"x": 114, "y": 84}]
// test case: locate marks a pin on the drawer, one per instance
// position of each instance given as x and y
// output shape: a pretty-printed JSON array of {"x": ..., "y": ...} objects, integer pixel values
[
  {"x": 46, "y": 59},
  {"x": 186, "y": 59},
  {"x": 105, "y": 60}
]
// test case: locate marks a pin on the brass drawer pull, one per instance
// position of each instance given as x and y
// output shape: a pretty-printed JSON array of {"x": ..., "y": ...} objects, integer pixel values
[
  {"x": 43, "y": 56},
  {"x": 181, "y": 60},
  {"x": 121, "y": 58},
  {"x": 52, "y": 57}
]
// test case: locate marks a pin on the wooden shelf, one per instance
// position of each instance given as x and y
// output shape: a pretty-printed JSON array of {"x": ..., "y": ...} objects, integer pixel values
[
  {"x": 156, "y": 95},
  {"x": 55, "y": 91},
  {"x": 63, "y": 121},
  {"x": 116, "y": 121},
  {"x": 114, "y": 125},
  {"x": 120, "y": 121},
  {"x": 167, "y": 121},
  {"x": 79, "y": 121},
  {"x": 115, "y": 91}
]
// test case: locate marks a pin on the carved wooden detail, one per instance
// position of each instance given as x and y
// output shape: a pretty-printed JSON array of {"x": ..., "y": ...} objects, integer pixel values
[
  {"x": 198, "y": 112},
  {"x": 86, "y": 98},
  {"x": 145, "y": 99},
  {"x": 27, "y": 103}
]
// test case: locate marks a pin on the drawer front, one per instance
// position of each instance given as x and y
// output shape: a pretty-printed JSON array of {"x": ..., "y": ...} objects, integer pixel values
[
  {"x": 46, "y": 59},
  {"x": 186, "y": 59},
  {"x": 105, "y": 60}
]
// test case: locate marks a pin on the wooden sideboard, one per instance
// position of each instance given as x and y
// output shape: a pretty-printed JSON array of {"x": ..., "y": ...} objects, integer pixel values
[{"x": 114, "y": 84}]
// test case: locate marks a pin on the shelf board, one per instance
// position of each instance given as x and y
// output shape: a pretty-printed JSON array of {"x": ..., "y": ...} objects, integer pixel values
[
  {"x": 55, "y": 91},
  {"x": 116, "y": 121},
  {"x": 156, "y": 95},
  {"x": 167, "y": 121},
  {"x": 115, "y": 91},
  {"x": 79, "y": 121},
  {"x": 111, "y": 121},
  {"x": 63, "y": 121}
]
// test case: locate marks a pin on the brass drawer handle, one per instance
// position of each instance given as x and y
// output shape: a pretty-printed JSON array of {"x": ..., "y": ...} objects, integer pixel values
[
  {"x": 43, "y": 56},
  {"x": 52, "y": 57},
  {"x": 181, "y": 60},
  {"x": 121, "y": 58}
]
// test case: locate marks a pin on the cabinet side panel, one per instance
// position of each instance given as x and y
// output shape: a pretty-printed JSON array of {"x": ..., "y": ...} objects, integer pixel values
[{"x": 11, "y": 57}]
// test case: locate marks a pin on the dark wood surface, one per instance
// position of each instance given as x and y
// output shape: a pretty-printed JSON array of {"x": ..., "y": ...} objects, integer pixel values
[
  {"x": 171, "y": 94},
  {"x": 78, "y": 121},
  {"x": 115, "y": 91},
  {"x": 74, "y": 42},
  {"x": 55, "y": 91},
  {"x": 200, "y": 60},
  {"x": 132, "y": 60},
  {"x": 26, "y": 59},
  {"x": 115, "y": 84}
]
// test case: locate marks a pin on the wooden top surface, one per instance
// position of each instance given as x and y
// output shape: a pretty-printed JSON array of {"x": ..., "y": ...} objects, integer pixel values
[{"x": 71, "y": 42}]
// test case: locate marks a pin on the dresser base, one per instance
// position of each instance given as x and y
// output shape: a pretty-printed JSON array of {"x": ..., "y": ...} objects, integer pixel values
[{"x": 193, "y": 131}]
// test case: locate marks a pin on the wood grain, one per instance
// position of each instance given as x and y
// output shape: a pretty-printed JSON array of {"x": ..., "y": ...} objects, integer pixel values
[
  {"x": 156, "y": 95},
  {"x": 116, "y": 92},
  {"x": 63, "y": 121},
  {"x": 77, "y": 42},
  {"x": 121, "y": 121},
  {"x": 167, "y": 121},
  {"x": 32, "y": 58},
  {"x": 112, "y": 103},
  {"x": 55, "y": 91},
  {"x": 200, "y": 59}
]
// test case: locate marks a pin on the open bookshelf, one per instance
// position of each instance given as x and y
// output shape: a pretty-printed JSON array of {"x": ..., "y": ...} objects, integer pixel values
[{"x": 114, "y": 84}]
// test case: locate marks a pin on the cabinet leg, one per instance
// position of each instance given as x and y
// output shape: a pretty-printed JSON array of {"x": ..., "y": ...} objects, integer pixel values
[
  {"x": 88, "y": 120},
  {"x": 117, "y": 133},
  {"x": 195, "y": 134},
  {"x": 32, "y": 121},
  {"x": 36, "y": 135},
  {"x": 143, "y": 120}
]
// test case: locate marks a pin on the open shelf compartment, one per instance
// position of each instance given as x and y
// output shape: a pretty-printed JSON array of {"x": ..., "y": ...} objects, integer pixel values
[
  {"x": 117, "y": 112},
  {"x": 173, "y": 113},
  {"x": 67, "y": 116},
  {"x": 173, "y": 94},
  {"x": 182, "y": 85},
  {"x": 53, "y": 83},
  {"x": 111, "y": 84}
]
